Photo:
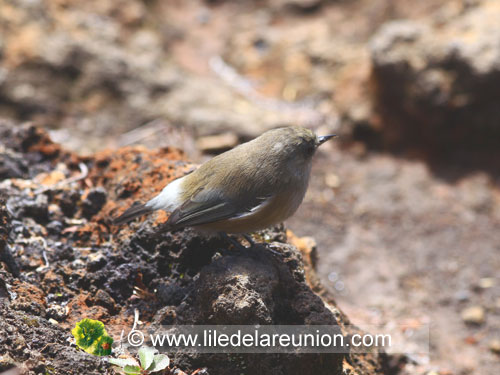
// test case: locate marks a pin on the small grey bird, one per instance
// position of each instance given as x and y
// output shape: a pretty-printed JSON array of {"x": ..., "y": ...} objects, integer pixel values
[{"x": 253, "y": 186}]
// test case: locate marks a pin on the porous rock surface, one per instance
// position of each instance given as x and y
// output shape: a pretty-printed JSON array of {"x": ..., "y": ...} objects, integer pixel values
[
  {"x": 73, "y": 264},
  {"x": 437, "y": 83}
]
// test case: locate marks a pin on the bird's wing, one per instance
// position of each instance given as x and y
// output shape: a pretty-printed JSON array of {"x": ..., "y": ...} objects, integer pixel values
[{"x": 208, "y": 206}]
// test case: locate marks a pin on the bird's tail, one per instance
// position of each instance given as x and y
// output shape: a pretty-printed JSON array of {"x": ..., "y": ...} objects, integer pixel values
[{"x": 131, "y": 213}]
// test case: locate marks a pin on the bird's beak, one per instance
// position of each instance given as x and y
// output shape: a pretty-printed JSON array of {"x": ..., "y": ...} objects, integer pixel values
[{"x": 323, "y": 138}]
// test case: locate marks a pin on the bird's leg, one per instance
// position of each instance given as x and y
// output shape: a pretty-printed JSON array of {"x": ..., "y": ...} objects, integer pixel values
[
  {"x": 249, "y": 239},
  {"x": 253, "y": 245},
  {"x": 235, "y": 243}
]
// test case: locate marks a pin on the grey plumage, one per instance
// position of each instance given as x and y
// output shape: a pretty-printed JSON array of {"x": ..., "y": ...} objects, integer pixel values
[{"x": 253, "y": 186}]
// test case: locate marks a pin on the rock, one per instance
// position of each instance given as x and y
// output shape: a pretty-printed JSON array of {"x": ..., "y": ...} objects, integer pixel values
[
  {"x": 332, "y": 180},
  {"x": 35, "y": 207},
  {"x": 69, "y": 202},
  {"x": 6, "y": 257},
  {"x": 170, "y": 293},
  {"x": 494, "y": 346},
  {"x": 217, "y": 143},
  {"x": 242, "y": 290},
  {"x": 56, "y": 312},
  {"x": 12, "y": 166},
  {"x": 486, "y": 282},
  {"x": 91, "y": 205},
  {"x": 473, "y": 315},
  {"x": 103, "y": 299},
  {"x": 165, "y": 316},
  {"x": 301, "y": 5},
  {"x": 462, "y": 295},
  {"x": 96, "y": 261},
  {"x": 436, "y": 84},
  {"x": 54, "y": 226}
]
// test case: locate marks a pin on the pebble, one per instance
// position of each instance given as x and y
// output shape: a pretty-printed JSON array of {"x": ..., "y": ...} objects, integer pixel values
[
  {"x": 486, "y": 282},
  {"x": 333, "y": 276},
  {"x": 473, "y": 315},
  {"x": 95, "y": 200},
  {"x": 78, "y": 264},
  {"x": 55, "y": 227},
  {"x": 56, "y": 312},
  {"x": 96, "y": 261},
  {"x": 102, "y": 298},
  {"x": 462, "y": 295},
  {"x": 339, "y": 285},
  {"x": 494, "y": 346},
  {"x": 332, "y": 180},
  {"x": 178, "y": 372}
]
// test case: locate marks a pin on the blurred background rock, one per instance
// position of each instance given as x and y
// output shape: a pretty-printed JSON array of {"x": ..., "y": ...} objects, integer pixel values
[{"x": 405, "y": 208}]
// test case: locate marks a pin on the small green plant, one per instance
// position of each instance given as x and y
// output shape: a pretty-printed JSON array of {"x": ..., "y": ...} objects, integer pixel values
[
  {"x": 150, "y": 362},
  {"x": 91, "y": 336}
]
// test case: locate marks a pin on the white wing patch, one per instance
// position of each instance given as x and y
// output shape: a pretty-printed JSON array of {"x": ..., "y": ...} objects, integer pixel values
[
  {"x": 261, "y": 206},
  {"x": 169, "y": 198}
]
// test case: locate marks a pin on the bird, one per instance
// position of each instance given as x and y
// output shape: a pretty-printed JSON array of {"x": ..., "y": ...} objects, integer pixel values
[{"x": 251, "y": 187}]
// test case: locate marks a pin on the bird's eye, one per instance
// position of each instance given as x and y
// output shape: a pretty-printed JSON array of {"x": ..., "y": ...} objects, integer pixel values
[{"x": 309, "y": 149}]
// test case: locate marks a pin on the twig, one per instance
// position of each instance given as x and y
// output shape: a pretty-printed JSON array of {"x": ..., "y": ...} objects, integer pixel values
[
  {"x": 84, "y": 172},
  {"x": 246, "y": 88},
  {"x": 142, "y": 132},
  {"x": 136, "y": 319},
  {"x": 44, "y": 251},
  {"x": 44, "y": 254},
  {"x": 33, "y": 239},
  {"x": 121, "y": 338}
]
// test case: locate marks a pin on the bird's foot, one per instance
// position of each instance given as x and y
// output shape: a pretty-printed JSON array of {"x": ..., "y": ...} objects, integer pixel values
[
  {"x": 253, "y": 244},
  {"x": 233, "y": 241},
  {"x": 263, "y": 245},
  {"x": 249, "y": 240}
]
